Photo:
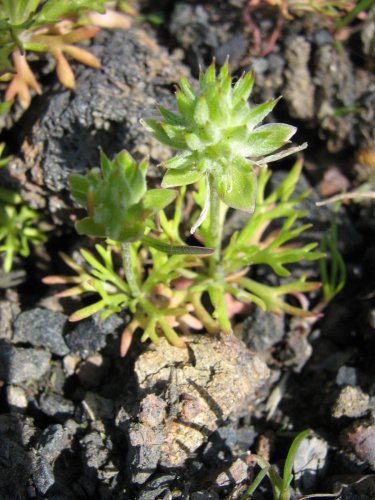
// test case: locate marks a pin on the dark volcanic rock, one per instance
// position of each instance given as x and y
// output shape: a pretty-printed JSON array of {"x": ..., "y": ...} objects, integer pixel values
[
  {"x": 104, "y": 110},
  {"x": 48, "y": 448},
  {"x": 89, "y": 335},
  {"x": 56, "y": 406},
  {"x": 42, "y": 328},
  {"x": 19, "y": 365}
]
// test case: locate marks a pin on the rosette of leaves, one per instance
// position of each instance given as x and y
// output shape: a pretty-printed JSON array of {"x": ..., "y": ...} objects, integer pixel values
[
  {"x": 51, "y": 26},
  {"x": 220, "y": 138},
  {"x": 116, "y": 198}
]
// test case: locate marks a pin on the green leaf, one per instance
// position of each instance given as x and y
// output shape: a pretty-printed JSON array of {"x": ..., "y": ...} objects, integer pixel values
[
  {"x": 267, "y": 138},
  {"x": 158, "y": 199},
  {"x": 90, "y": 228},
  {"x": 181, "y": 177},
  {"x": 242, "y": 88},
  {"x": 177, "y": 250},
  {"x": 257, "y": 114},
  {"x": 79, "y": 185},
  {"x": 237, "y": 187}
]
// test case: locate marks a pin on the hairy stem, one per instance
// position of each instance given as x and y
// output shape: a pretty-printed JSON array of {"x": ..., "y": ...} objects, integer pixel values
[
  {"x": 129, "y": 269},
  {"x": 216, "y": 219}
]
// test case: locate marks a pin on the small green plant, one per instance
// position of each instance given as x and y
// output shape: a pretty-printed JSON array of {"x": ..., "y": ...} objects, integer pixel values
[
  {"x": 145, "y": 264},
  {"x": 18, "y": 228},
  {"x": 46, "y": 26},
  {"x": 333, "y": 277},
  {"x": 280, "y": 484}
]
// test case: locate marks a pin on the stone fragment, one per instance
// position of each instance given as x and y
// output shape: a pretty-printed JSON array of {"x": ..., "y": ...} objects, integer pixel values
[
  {"x": 236, "y": 473},
  {"x": 89, "y": 335},
  {"x": 204, "y": 385},
  {"x": 42, "y": 328},
  {"x": 361, "y": 437},
  {"x": 8, "y": 311},
  {"x": 48, "y": 447},
  {"x": 16, "y": 399},
  {"x": 310, "y": 462},
  {"x": 55, "y": 405},
  {"x": 351, "y": 402},
  {"x": 347, "y": 375},
  {"x": 299, "y": 88},
  {"x": 94, "y": 451},
  {"x": 262, "y": 330},
  {"x": 20, "y": 365}
]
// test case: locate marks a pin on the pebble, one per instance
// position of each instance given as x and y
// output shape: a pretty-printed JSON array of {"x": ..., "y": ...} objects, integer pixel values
[
  {"x": 7, "y": 314},
  {"x": 236, "y": 473},
  {"x": 16, "y": 399},
  {"x": 56, "y": 406},
  {"x": 361, "y": 437},
  {"x": 20, "y": 365},
  {"x": 42, "y": 328},
  {"x": 48, "y": 447},
  {"x": 310, "y": 462},
  {"x": 262, "y": 330},
  {"x": 347, "y": 375},
  {"x": 89, "y": 335},
  {"x": 351, "y": 402}
]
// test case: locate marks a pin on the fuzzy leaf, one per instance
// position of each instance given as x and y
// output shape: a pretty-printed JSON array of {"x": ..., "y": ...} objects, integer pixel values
[
  {"x": 157, "y": 199},
  {"x": 237, "y": 187},
  {"x": 181, "y": 177}
]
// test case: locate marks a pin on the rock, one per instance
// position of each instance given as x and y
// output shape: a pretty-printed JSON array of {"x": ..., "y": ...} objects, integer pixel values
[
  {"x": 48, "y": 447},
  {"x": 56, "y": 406},
  {"x": 42, "y": 328},
  {"x": 310, "y": 462},
  {"x": 352, "y": 402},
  {"x": 70, "y": 363},
  {"x": 191, "y": 26},
  {"x": 8, "y": 311},
  {"x": 16, "y": 399},
  {"x": 262, "y": 330},
  {"x": 20, "y": 365},
  {"x": 53, "y": 440},
  {"x": 347, "y": 375},
  {"x": 236, "y": 473},
  {"x": 159, "y": 487},
  {"x": 89, "y": 335},
  {"x": 94, "y": 451},
  {"x": 361, "y": 438},
  {"x": 299, "y": 88},
  {"x": 204, "y": 385}
]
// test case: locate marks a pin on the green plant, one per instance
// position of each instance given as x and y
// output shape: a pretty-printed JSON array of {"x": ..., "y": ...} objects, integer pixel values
[
  {"x": 280, "y": 484},
  {"x": 46, "y": 26},
  {"x": 18, "y": 227},
  {"x": 146, "y": 266}
]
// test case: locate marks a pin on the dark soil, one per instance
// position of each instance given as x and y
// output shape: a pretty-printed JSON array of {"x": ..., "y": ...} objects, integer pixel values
[{"x": 79, "y": 422}]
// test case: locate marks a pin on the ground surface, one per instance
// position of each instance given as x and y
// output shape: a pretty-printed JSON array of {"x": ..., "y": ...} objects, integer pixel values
[{"x": 78, "y": 422}]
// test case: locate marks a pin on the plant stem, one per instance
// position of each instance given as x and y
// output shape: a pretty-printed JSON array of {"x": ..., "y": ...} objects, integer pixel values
[
  {"x": 216, "y": 220},
  {"x": 129, "y": 269}
]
